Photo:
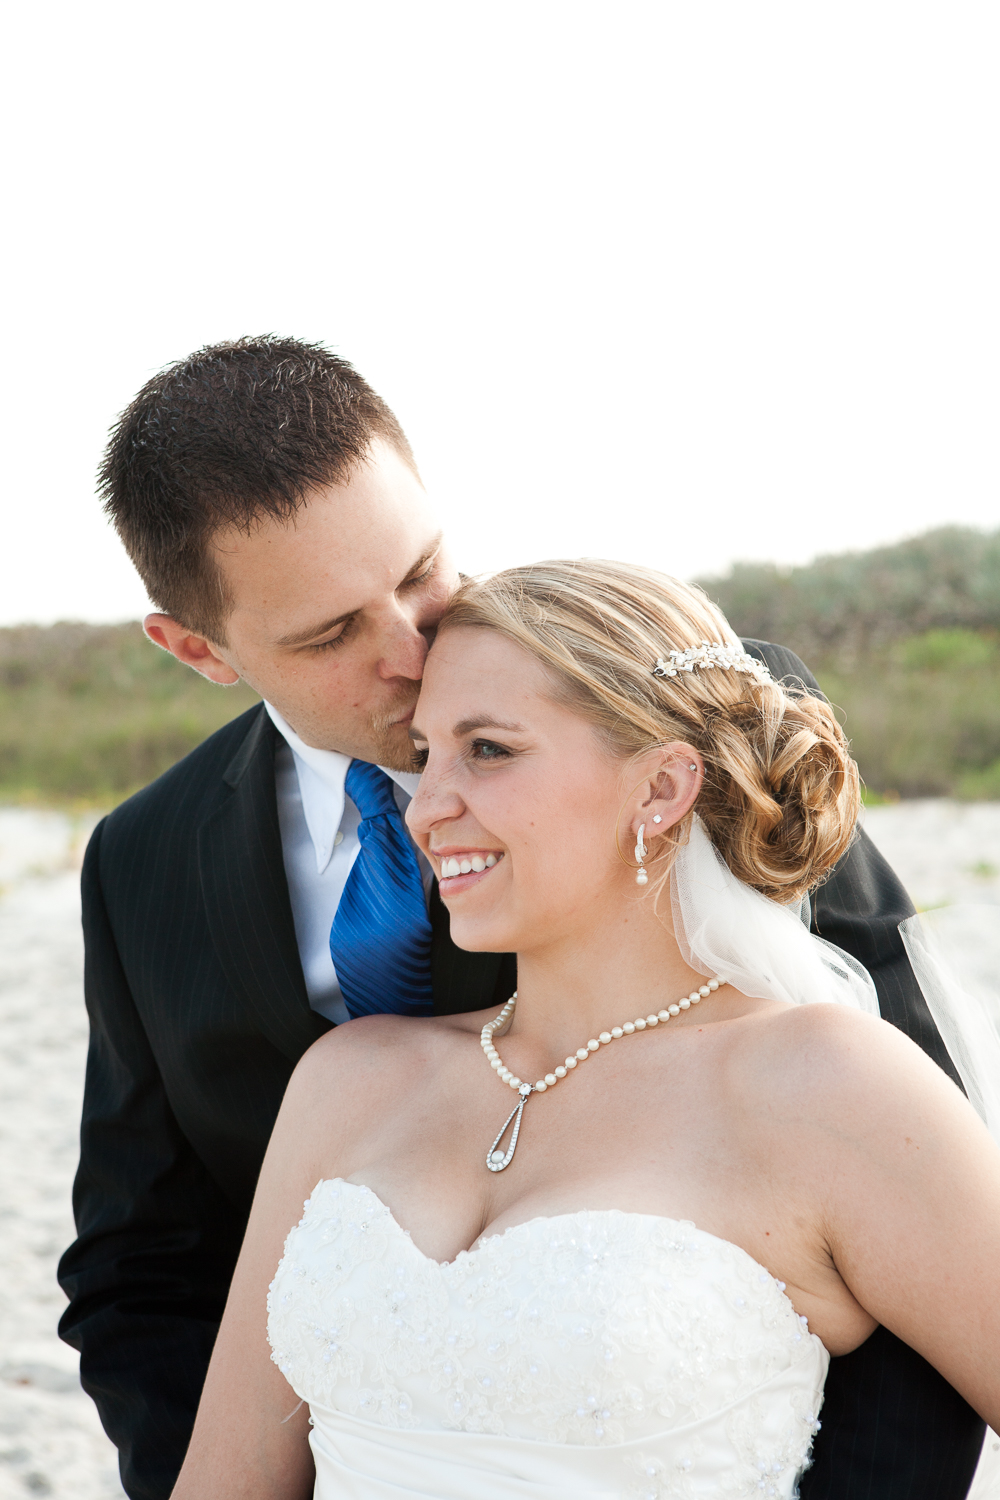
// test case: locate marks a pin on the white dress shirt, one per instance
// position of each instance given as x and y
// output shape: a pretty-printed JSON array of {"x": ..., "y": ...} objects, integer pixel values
[{"x": 319, "y": 842}]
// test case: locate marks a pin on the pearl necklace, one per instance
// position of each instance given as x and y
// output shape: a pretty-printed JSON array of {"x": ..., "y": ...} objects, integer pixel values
[{"x": 496, "y": 1161}]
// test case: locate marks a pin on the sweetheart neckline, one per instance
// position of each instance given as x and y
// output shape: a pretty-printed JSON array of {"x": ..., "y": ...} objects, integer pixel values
[{"x": 579, "y": 1213}]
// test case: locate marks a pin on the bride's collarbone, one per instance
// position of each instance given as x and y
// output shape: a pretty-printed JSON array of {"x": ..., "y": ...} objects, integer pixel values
[
  {"x": 611, "y": 1136},
  {"x": 450, "y": 1200},
  {"x": 625, "y": 1133}
]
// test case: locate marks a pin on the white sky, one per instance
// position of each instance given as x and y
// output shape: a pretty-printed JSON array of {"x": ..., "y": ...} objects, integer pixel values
[{"x": 676, "y": 282}]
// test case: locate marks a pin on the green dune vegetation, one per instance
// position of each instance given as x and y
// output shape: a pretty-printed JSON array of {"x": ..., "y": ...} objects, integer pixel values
[
  {"x": 90, "y": 713},
  {"x": 905, "y": 641}
]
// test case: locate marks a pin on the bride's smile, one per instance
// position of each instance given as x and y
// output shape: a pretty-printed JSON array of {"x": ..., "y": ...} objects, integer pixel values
[{"x": 457, "y": 864}]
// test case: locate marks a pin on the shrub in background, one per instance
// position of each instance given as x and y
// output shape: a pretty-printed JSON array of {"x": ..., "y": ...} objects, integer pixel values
[
  {"x": 90, "y": 713},
  {"x": 904, "y": 640}
]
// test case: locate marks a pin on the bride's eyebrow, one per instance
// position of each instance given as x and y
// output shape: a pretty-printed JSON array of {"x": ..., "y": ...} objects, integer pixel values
[
  {"x": 484, "y": 721},
  {"x": 466, "y": 726}
]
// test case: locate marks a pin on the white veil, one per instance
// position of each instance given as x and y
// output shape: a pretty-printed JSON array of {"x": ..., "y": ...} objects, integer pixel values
[
  {"x": 955, "y": 954},
  {"x": 763, "y": 949},
  {"x": 767, "y": 951}
]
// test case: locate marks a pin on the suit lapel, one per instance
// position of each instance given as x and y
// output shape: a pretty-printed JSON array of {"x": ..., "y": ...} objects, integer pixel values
[{"x": 246, "y": 897}]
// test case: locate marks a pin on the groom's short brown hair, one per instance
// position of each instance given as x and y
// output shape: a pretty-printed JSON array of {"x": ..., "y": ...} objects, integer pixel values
[{"x": 235, "y": 433}]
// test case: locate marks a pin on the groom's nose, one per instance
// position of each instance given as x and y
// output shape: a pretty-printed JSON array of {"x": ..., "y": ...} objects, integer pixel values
[{"x": 404, "y": 647}]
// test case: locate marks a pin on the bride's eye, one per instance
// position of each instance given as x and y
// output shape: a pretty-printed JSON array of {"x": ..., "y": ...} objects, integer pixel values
[
  {"x": 487, "y": 751},
  {"x": 419, "y": 757}
]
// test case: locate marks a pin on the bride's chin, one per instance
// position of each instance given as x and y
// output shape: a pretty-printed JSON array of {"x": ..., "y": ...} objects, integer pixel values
[{"x": 482, "y": 937}]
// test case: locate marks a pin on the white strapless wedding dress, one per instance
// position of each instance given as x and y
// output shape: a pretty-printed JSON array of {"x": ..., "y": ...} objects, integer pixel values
[{"x": 599, "y": 1353}]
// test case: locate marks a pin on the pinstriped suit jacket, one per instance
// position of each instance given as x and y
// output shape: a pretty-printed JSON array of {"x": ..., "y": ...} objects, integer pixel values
[{"x": 199, "y": 1013}]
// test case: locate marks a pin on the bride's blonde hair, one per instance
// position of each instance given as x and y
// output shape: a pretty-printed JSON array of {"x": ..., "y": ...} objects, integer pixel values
[{"x": 780, "y": 798}]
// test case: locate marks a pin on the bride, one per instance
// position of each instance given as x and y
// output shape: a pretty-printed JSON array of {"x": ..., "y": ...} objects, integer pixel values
[{"x": 623, "y": 1276}]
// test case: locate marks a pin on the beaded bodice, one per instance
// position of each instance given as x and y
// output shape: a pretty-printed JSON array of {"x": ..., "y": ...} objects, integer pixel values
[{"x": 598, "y": 1330}]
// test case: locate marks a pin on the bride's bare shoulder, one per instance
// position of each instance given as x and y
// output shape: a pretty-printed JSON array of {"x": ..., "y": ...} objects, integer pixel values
[
  {"x": 375, "y": 1051},
  {"x": 834, "y": 1062}
]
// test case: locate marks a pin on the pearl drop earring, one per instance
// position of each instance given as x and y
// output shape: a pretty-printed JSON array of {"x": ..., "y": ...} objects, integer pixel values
[{"x": 640, "y": 853}]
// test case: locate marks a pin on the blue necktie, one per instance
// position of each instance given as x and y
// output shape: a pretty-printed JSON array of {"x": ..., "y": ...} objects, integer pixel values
[{"x": 380, "y": 941}]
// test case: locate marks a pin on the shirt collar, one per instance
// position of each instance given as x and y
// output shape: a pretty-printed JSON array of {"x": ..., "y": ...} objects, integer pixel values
[{"x": 321, "y": 775}]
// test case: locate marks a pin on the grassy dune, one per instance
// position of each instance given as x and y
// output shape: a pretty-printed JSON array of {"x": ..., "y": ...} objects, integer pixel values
[
  {"x": 90, "y": 713},
  {"x": 850, "y": 608},
  {"x": 924, "y": 715},
  {"x": 905, "y": 641}
]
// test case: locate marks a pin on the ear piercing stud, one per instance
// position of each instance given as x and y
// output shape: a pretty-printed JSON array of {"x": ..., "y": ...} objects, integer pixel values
[
  {"x": 692, "y": 767},
  {"x": 657, "y": 819}
]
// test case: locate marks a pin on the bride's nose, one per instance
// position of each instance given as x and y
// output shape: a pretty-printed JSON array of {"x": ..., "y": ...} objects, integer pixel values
[{"x": 434, "y": 802}]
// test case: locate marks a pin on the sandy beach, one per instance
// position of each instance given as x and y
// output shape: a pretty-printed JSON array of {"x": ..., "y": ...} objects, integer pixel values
[{"x": 51, "y": 1442}]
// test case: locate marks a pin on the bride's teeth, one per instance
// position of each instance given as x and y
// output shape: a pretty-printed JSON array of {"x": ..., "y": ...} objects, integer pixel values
[{"x": 450, "y": 866}]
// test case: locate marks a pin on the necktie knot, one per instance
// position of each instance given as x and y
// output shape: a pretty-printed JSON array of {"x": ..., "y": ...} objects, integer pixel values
[{"x": 371, "y": 790}]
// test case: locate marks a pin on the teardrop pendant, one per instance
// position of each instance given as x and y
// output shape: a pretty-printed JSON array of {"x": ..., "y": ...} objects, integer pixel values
[{"x": 496, "y": 1161}]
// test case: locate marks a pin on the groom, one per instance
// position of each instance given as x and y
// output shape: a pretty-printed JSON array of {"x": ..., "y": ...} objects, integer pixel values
[{"x": 265, "y": 889}]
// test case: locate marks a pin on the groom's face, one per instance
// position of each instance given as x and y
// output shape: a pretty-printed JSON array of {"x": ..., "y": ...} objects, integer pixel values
[{"x": 334, "y": 610}]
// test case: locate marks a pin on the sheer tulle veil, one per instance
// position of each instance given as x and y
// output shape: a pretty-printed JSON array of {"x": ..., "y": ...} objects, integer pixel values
[
  {"x": 766, "y": 950},
  {"x": 966, "y": 1015}
]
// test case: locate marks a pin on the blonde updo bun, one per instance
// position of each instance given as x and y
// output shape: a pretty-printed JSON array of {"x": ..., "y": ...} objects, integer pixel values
[{"x": 780, "y": 798}]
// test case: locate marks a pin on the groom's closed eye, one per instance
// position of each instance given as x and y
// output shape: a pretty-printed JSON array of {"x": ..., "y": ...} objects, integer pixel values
[
  {"x": 319, "y": 638},
  {"x": 424, "y": 568},
  {"x": 421, "y": 578},
  {"x": 334, "y": 640},
  {"x": 310, "y": 638}
]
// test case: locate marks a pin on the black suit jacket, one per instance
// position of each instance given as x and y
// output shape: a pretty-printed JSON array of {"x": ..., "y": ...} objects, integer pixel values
[{"x": 199, "y": 1013}]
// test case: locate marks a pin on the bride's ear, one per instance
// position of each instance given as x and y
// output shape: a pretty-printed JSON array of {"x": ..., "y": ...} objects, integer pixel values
[{"x": 668, "y": 790}]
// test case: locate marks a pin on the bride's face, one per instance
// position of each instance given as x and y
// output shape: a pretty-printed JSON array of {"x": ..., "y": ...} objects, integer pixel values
[{"x": 519, "y": 792}]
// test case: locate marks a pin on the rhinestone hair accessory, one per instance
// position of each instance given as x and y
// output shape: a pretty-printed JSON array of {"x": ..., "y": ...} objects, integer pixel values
[{"x": 710, "y": 654}]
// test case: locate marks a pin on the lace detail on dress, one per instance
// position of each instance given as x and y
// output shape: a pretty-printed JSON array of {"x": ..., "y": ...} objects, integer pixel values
[{"x": 594, "y": 1329}]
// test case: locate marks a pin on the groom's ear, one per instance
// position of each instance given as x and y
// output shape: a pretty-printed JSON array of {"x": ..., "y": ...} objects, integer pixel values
[{"x": 193, "y": 650}]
